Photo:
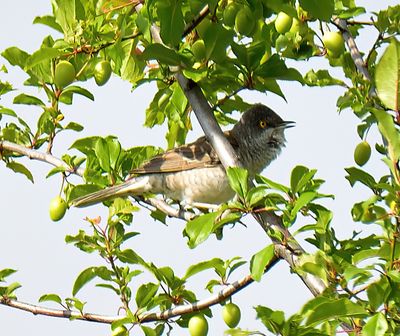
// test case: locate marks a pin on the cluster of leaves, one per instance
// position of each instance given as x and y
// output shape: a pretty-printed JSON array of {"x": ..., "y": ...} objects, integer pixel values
[{"x": 361, "y": 274}]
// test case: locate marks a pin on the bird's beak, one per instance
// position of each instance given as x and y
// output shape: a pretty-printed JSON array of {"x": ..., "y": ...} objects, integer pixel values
[{"x": 287, "y": 124}]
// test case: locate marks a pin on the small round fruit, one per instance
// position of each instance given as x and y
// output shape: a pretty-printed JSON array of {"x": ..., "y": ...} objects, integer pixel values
[
  {"x": 64, "y": 74},
  {"x": 362, "y": 153},
  {"x": 102, "y": 72},
  {"x": 57, "y": 208},
  {"x": 199, "y": 50},
  {"x": 334, "y": 43},
  {"x": 244, "y": 21},
  {"x": 230, "y": 14},
  {"x": 231, "y": 315},
  {"x": 283, "y": 23},
  {"x": 198, "y": 326},
  {"x": 120, "y": 331}
]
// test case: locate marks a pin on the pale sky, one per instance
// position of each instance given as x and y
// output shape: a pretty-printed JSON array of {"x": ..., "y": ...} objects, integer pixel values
[{"x": 34, "y": 245}]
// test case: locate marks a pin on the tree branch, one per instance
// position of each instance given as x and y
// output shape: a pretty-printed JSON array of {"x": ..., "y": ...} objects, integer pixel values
[
  {"x": 229, "y": 158},
  {"x": 61, "y": 313},
  {"x": 40, "y": 156},
  {"x": 222, "y": 295},
  {"x": 354, "y": 51}
]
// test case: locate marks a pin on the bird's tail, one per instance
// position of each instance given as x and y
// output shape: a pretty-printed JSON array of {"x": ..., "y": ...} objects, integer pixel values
[{"x": 135, "y": 186}]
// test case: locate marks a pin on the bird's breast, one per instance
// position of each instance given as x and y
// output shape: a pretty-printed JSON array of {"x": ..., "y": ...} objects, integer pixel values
[{"x": 202, "y": 185}]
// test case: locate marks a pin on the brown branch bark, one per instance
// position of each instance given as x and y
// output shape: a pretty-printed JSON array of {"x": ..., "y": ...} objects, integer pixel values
[
  {"x": 61, "y": 313},
  {"x": 37, "y": 155}
]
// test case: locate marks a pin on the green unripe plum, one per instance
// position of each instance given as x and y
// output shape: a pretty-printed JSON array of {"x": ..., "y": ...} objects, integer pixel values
[
  {"x": 244, "y": 21},
  {"x": 198, "y": 326},
  {"x": 362, "y": 153},
  {"x": 231, "y": 315},
  {"x": 334, "y": 43},
  {"x": 230, "y": 14},
  {"x": 120, "y": 331},
  {"x": 64, "y": 74},
  {"x": 199, "y": 50},
  {"x": 102, "y": 72},
  {"x": 57, "y": 208},
  {"x": 283, "y": 23}
]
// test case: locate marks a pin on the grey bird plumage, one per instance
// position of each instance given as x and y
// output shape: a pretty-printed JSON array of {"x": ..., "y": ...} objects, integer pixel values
[{"x": 193, "y": 173}]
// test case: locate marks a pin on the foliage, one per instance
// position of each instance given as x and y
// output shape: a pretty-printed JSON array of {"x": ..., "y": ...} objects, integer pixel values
[{"x": 361, "y": 273}]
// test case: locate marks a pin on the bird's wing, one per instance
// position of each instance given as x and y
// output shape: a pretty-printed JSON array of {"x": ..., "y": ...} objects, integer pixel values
[{"x": 198, "y": 154}]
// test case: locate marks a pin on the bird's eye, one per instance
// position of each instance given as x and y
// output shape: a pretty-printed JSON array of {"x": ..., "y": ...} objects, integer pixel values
[{"x": 263, "y": 123}]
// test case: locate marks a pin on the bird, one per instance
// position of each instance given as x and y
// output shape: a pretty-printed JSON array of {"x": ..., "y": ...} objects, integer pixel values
[{"x": 193, "y": 173}]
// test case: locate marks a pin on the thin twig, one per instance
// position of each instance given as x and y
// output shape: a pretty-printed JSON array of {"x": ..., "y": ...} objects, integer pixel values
[
  {"x": 199, "y": 17},
  {"x": 40, "y": 156},
  {"x": 61, "y": 313}
]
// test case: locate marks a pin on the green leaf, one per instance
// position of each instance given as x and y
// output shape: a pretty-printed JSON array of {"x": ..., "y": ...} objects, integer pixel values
[
  {"x": 5, "y": 87},
  {"x": 276, "y": 68},
  {"x": 302, "y": 201},
  {"x": 74, "y": 127},
  {"x": 321, "y": 78},
  {"x": 255, "y": 195},
  {"x": 131, "y": 257},
  {"x": 200, "y": 228},
  {"x": 114, "y": 148},
  {"x": 171, "y": 21},
  {"x": 334, "y": 309},
  {"x": 7, "y": 111},
  {"x": 376, "y": 294},
  {"x": 297, "y": 174},
  {"x": 41, "y": 55},
  {"x": 145, "y": 294},
  {"x": 273, "y": 320},
  {"x": 82, "y": 189},
  {"x": 88, "y": 274},
  {"x": 389, "y": 131},
  {"x": 387, "y": 76},
  {"x": 375, "y": 326},
  {"x": 15, "y": 56},
  {"x": 67, "y": 13},
  {"x": 319, "y": 9},
  {"x": 83, "y": 278},
  {"x": 4, "y": 273},
  {"x": 358, "y": 175},
  {"x": 20, "y": 168},
  {"x": 69, "y": 91},
  {"x": 202, "y": 266},
  {"x": 49, "y": 21},
  {"x": 216, "y": 39},
  {"x": 56, "y": 170},
  {"x": 260, "y": 260},
  {"x": 148, "y": 331},
  {"x": 238, "y": 180},
  {"x": 102, "y": 153},
  {"x": 271, "y": 184},
  {"x": 12, "y": 288},
  {"x": 27, "y": 100},
  {"x": 157, "y": 51},
  {"x": 50, "y": 297}
]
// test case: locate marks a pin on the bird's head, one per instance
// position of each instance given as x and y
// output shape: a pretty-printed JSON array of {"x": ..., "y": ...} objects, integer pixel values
[{"x": 260, "y": 135}]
